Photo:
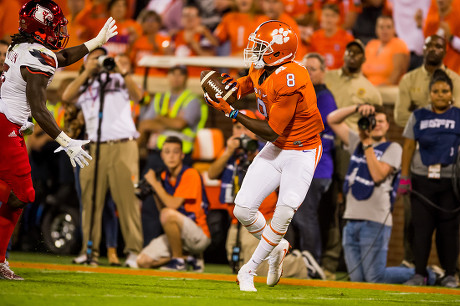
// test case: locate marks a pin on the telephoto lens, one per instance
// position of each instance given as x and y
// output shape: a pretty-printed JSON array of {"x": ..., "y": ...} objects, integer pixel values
[{"x": 108, "y": 63}]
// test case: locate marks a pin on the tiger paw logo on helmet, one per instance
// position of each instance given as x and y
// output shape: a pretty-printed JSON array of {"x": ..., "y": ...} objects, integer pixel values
[{"x": 280, "y": 36}]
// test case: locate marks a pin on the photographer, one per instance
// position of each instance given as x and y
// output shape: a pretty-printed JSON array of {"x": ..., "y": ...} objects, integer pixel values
[
  {"x": 181, "y": 200},
  {"x": 110, "y": 129},
  {"x": 368, "y": 187},
  {"x": 230, "y": 168}
]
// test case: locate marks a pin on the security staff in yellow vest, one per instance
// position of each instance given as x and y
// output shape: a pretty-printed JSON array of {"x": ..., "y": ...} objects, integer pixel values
[{"x": 177, "y": 112}]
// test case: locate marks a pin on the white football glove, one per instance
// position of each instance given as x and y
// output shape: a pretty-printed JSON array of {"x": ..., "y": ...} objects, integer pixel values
[
  {"x": 107, "y": 32},
  {"x": 27, "y": 128},
  {"x": 73, "y": 148}
]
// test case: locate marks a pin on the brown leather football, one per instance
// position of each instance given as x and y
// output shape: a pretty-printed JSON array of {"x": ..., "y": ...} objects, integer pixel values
[{"x": 211, "y": 82}]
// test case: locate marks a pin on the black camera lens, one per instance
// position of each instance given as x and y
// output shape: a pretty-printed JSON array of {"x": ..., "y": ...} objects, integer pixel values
[
  {"x": 367, "y": 123},
  {"x": 143, "y": 189},
  {"x": 108, "y": 63},
  {"x": 248, "y": 144}
]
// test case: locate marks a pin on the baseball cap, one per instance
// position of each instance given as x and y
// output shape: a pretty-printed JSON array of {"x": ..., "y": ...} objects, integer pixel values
[
  {"x": 358, "y": 43},
  {"x": 246, "y": 112},
  {"x": 181, "y": 68}
]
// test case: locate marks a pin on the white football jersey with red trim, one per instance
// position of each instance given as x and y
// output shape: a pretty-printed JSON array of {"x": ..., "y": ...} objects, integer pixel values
[{"x": 13, "y": 100}]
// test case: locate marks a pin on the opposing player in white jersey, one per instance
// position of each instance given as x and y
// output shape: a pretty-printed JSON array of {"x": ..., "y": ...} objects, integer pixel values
[{"x": 28, "y": 69}]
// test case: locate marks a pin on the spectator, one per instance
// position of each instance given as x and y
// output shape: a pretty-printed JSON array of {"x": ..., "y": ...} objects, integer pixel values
[
  {"x": 306, "y": 220},
  {"x": 128, "y": 29},
  {"x": 178, "y": 112},
  {"x": 442, "y": 19},
  {"x": 349, "y": 87},
  {"x": 237, "y": 25},
  {"x": 3, "y": 49},
  {"x": 182, "y": 202},
  {"x": 368, "y": 188},
  {"x": 364, "y": 27},
  {"x": 408, "y": 16},
  {"x": 152, "y": 42},
  {"x": 348, "y": 11},
  {"x": 387, "y": 57},
  {"x": 194, "y": 39},
  {"x": 116, "y": 135},
  {"x": 414, "y": 90},
  {"x": 212, "y": 11},
  {"x": 78, "y": 34},
  {"x": 330, "y": 40},
  {"x": 8, "y": 19},
  {"x": 170, "y": 12},
  {"x": 274, "y": 10},
  {"x": 431, "y": 143}
]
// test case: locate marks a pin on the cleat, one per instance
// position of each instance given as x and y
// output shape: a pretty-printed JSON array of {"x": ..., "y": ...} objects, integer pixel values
[
  {"x": 174, "y": 265},
  {"x": 245, "y": 279},
  {"x": 6, "y": 273},
  {"x": 82, "y": 259},
  {"x": 275, "y": 262},
  {"x": 196, "y": 264},
  {"x": 313, "y": 268},
  {"x": 131, "y": 261}
]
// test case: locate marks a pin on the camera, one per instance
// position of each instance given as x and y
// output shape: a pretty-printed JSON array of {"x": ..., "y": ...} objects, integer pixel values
[
  {"x": 248, "y": 144},
  {"x": 143, "y": 189},
  {"x": 367, "y": 122},
  {"x": 106, "y": 62}
]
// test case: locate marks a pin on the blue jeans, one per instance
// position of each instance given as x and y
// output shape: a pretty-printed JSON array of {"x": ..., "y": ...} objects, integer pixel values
[
  {"x": 358, "y": 236},
  {"x": 306, "y": 218}
]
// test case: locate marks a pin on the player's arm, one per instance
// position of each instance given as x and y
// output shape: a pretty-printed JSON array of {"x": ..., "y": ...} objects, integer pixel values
[
  {"x": 36, "y": 82},
  {"x": 71, "y": 55},
  {"x": 259, "y": 127}
]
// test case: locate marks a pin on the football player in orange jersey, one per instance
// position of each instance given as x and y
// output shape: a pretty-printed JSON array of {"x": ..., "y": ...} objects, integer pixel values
[{"x": 286, "y": 97}]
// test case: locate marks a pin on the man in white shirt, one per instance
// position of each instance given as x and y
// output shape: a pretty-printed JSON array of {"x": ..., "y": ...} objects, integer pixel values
[{"x": 118, "y": 160}]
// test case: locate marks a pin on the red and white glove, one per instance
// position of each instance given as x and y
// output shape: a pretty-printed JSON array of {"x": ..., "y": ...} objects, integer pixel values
[
  {"x": 405, "y": 185},
  {"x": 231, "y": 84},
  {"x": 108, "y": 31},
  {"x": 73, "y": 148},
  {"x": 221, "y": 105}
]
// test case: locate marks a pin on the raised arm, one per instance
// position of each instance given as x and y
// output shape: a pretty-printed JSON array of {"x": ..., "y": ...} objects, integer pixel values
[{"x": 71, "y": 55}]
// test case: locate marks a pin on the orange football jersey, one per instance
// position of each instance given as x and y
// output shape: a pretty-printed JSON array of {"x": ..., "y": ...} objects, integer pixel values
[{"x": 287, "y": 99}]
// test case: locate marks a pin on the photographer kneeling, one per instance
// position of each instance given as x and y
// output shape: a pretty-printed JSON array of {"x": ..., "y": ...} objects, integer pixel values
[
  {"x": 181, "y": 200},
  {"x": 369, "y": 189}
]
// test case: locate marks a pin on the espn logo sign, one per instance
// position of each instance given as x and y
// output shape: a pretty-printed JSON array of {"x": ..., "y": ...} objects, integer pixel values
[{"x": 43, "y": 15}]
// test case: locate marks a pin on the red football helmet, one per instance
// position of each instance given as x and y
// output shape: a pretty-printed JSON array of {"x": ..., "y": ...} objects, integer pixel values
[
  {"x": 273, "y": 43},
  {"x": 44, "y": 19}
]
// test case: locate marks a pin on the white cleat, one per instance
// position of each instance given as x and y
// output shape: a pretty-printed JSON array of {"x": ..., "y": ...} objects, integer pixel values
[
  {"x": 245, "y": 279},
  {"x": 7, "y": 273},
  {"x": 275, "y": 262}
]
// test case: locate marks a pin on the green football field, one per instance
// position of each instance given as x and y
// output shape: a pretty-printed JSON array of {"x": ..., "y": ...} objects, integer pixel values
[{"x": 49, "y": 284}]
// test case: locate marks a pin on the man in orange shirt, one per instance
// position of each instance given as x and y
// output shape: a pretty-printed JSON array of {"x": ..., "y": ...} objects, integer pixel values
[
  {"x": 286, "y": 97},
  {"x": 274, "y": 10},
  {"x": 331, "y": 40},
  {"x": 9, "y": 20},
  {"x": 443, "y": 20},
  {"x": 182, "y": 203}
]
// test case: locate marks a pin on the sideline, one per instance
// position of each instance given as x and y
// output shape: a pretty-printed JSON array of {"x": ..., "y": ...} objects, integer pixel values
[{"x": 232, "y": 278}]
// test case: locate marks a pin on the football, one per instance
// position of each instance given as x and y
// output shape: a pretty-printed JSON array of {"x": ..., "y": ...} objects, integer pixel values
[{"x": 211, "y": 82}]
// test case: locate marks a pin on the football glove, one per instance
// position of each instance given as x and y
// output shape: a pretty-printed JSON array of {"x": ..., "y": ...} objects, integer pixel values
[
  {"x": 221, "y": 105},
  {"x": 108, "y": 31},
  {"x": 231, "y": 84},
  {"x": 405, "y": 185},
  {"x": 73, "y": 148}
]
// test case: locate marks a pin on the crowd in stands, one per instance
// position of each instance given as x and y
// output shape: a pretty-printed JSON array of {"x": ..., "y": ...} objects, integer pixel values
[{"x": 350, "y": 48}]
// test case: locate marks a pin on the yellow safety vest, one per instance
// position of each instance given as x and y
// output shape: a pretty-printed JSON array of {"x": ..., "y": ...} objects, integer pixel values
[
  {"x": 58, "y": 112},
  {"x": 187, "y": 134}
]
